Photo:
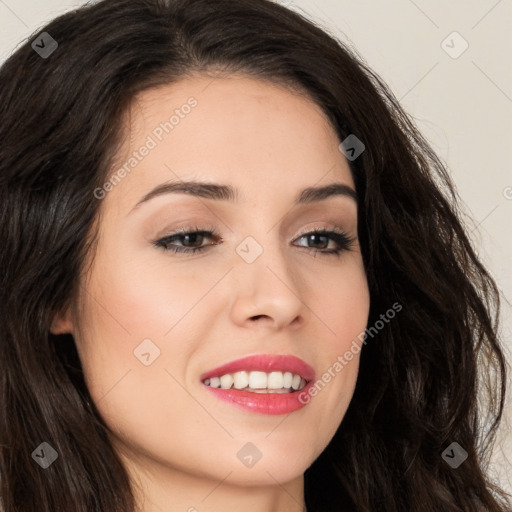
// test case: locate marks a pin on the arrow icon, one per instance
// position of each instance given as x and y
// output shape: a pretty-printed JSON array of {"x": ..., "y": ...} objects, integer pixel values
[
  {"x": 249, "y": 455},
  {"x": 44, "y": 45},
  {"x": 146, "y": 352},
  {"x": 352, "y": 147},
  {"x": 249, "y": 250},
  {"x": 454, "y": 45},
  {"x": 45, "y": 455},
  {"x": 454, "y": 455}
]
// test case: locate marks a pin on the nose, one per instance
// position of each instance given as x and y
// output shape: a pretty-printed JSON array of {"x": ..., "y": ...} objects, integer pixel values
[{"x": 268, "y": 291}]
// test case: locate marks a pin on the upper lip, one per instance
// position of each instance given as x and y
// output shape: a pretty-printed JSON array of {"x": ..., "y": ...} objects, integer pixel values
[{"x": 264, "y": 363}]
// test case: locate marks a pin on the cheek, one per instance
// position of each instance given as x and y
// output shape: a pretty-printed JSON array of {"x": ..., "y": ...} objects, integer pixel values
[
  {"x": 145, "y": 296},
  {"x": 345, "y": 306},
  {"x": 354, "y": 298},
  {"x": 137, "y": 306},
  {"x": 125, "y": 308},
  {"x": 129, "y": 309},
  {"x": 344, "y": 309}
]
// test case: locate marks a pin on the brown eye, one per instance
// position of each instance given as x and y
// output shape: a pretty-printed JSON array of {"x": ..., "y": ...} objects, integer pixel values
[
  {"x": 322, "y": 237},
  {"x": 187, "y": 240}
]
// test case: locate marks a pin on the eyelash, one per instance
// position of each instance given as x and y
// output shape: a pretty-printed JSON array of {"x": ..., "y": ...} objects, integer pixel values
[{"x": 340, "y": 237}]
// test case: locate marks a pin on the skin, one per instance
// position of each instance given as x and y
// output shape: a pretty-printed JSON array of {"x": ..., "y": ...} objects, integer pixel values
[{"x": 178, "y": 441}]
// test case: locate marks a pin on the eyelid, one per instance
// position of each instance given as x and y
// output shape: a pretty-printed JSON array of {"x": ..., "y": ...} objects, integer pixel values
[
  {"x": 192, "y": 228},
  {"x": 329, "y": 227},
  {"x": 187, "y": 228},
  {"x": 343, "y": 240}
]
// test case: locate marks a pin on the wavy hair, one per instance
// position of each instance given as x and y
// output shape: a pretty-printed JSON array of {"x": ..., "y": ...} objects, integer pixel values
[{"x": 434, "y": 375}]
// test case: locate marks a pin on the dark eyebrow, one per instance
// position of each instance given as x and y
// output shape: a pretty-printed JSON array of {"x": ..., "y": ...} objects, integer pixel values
[{"x": 227, "y": 193}]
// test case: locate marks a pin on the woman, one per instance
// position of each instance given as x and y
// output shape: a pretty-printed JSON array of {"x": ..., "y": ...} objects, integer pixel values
[{"x": 235, "y": 276}]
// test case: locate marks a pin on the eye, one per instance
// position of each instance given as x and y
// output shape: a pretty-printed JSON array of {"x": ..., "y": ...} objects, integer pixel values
[
  {"x": 322, "y": 236},
  {"x": 191, "y": 240}
]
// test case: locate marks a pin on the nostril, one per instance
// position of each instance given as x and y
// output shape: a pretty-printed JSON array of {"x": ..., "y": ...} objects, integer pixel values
[{"x": 257, "y": 317}]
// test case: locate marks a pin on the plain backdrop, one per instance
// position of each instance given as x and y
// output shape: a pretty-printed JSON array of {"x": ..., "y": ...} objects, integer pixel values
[{"x": 449, "y": 65}]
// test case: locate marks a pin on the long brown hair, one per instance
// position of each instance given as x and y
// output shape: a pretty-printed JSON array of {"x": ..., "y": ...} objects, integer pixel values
[{"x": 418, "y": 383}]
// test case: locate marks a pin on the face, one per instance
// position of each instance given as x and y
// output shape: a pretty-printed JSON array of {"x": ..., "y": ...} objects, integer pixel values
[{"x": 162, "y": 311}]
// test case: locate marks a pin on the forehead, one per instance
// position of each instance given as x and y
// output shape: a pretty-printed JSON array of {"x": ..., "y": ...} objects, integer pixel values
[
  {"x": 236, "y": 104},
  {"x": 236, "y": 129}
]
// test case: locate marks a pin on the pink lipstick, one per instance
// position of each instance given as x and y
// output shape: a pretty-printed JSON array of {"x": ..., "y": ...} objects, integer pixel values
[{"x": 266, "y": 384}]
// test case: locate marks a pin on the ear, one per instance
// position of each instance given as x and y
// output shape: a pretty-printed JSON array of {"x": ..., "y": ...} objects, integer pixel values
[{"x": 62, "y": 323}]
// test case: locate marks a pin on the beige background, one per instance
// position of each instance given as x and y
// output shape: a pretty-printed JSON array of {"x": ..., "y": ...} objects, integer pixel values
[{"x": 461, "y": 101}]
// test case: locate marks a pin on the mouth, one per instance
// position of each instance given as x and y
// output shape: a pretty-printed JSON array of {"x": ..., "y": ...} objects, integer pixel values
[
  {"x": 267, "y": 384},
  {"x": 258, "y": 382}
]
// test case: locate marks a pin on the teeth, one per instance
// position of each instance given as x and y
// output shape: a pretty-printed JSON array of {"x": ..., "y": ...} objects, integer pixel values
[
  {"x": 258, "y": 382},
  {"x": 241, "y": 380},
  {"x": 226, "y": 381},
  {"x": 275, "y": 380}
]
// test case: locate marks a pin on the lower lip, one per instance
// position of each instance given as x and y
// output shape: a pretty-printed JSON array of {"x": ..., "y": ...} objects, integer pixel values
[{"x": 263, "y": 403}]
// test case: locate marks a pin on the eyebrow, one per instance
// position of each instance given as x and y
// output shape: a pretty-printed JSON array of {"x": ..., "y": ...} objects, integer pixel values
[{"x": 220, "y": 192}]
